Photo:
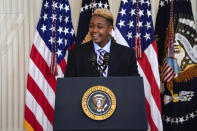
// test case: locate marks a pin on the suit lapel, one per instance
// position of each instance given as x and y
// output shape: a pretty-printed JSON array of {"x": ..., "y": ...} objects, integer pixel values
[{"x": 112, "y": 59}]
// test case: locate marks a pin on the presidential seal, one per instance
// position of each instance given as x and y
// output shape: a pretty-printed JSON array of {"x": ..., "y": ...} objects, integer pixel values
[{"x": 99, "y": 102}]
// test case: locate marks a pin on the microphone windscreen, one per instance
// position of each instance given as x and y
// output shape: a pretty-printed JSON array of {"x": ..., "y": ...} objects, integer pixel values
[
  {"x": 93, "y": 58},
  {"x": 106, "y": 59}
]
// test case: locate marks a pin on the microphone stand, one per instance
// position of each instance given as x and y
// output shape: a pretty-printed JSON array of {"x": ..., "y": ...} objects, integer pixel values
[
  {"x": 100, "y": 70},
  {"x": 95, "y": 65}
]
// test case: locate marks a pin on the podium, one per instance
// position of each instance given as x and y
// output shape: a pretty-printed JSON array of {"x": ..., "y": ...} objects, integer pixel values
[{"x": 130, "y": 112}]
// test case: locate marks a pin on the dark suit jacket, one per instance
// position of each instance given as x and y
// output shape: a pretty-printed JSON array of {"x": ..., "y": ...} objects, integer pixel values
[{"x": 122, "y": 61}]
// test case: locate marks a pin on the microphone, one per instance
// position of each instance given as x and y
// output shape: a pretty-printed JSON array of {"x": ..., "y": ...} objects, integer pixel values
[
  {"x": 106, "y": 61},
  {"x": 93, "y": 59},
  {"x": 97, "y": 67}
]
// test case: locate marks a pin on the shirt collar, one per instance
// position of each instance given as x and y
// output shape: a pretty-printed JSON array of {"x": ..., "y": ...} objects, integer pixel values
[{"x": 106, "y": 47}]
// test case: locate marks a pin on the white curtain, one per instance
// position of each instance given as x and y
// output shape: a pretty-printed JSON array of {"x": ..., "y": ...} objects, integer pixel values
[{"x": 18, "y": 21}]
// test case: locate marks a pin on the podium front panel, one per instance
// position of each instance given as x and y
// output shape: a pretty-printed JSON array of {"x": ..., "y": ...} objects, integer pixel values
[{"x": 130, "y": 113}]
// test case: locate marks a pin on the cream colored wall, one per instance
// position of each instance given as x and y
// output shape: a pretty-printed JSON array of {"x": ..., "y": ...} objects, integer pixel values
[{"x": 18, "y": 21}]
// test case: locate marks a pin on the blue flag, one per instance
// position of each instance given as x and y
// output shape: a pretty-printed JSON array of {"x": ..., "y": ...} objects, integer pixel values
[{"x": 175, "y": 20}]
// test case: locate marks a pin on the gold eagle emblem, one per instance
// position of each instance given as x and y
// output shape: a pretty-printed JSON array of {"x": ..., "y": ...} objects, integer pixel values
[{"x": 99, "y": 102}]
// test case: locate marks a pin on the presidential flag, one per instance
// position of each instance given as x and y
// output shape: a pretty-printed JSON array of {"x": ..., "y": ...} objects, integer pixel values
[
  {"x": 87, "y": 8},
  {"x": 177, "y": 41},
  {"x": 53, "y": 38},
  {"x": 134, "y": 28}
]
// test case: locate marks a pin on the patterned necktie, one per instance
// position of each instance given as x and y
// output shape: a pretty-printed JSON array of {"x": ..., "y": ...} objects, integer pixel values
[{"x": 100, "y": 61}]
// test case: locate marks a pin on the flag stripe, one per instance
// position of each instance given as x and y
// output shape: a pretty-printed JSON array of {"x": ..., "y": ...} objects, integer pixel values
[
  {"x": 154, "y": 44},
  {"x": 42, "y": 48},
  {"x": 146, "y": 67},
  {"x": 155, "y": 112},
  {"x": 151, "y": 53},
  {"x": 43, "y": 67},
  {"x": 35, "y": 108},
  {"x": 45, "y": 54},
  {"x": 165, "y": 68},
  {"x": 31, "y": 119},
  {"x": 60, "y": 71},
  {"x": 62, "y": 65},
  {"x": 170, "y": 77},
  {"x": 38, "y": 77},
  {"x": 168, "y": 73},
  {"x": 40, "y": 98},
  {"x": 150, "y": 120}
]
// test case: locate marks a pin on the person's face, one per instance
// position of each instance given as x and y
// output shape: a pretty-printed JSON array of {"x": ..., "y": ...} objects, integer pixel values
[{"x": 99, "y": 30}]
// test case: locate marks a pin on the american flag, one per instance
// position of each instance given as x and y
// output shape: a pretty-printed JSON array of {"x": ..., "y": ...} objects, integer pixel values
[
  {"x": 54, "y": 35},
  {"x": 169, "y": 69},
  {"x": 134, "y": 22},
  {"x": 87, "y": 8}
]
